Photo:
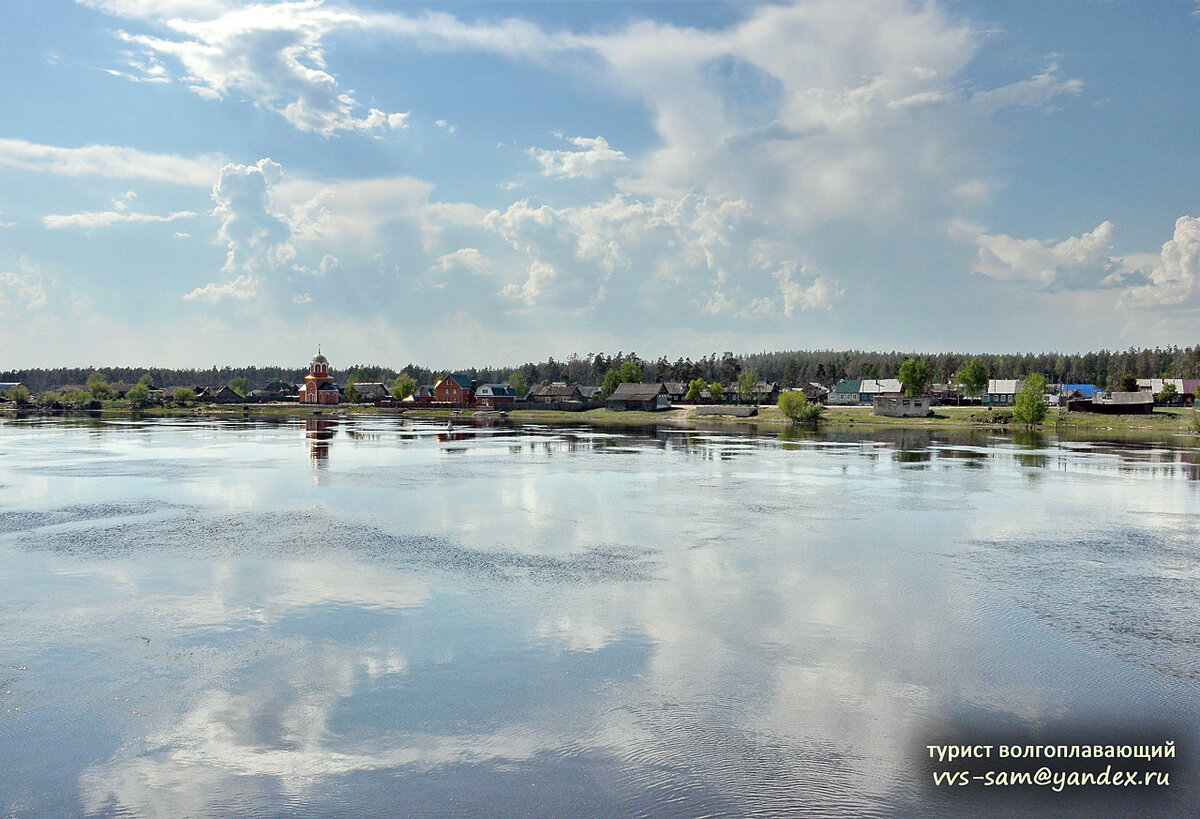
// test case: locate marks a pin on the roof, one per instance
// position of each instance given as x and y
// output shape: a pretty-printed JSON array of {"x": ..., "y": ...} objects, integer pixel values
[
  {"x": 1086, "y": 390},
  {"x": 495, "y": 389},
  {"x": 554, "y": 391},
  {"x": 848, "y": 385},
  {"x": 637, "y": 392},
  {"x": 459, "y": 379},
  {"x": 319, "y": 359},
  {"x": 878, "y": 385},
  {"x": 1004, "y": 386},
  {"x": 1123, "y": 398}
]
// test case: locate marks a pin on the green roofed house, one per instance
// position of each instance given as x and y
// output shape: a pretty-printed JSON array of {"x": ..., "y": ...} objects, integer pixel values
[{"x": 845, "y": 392}]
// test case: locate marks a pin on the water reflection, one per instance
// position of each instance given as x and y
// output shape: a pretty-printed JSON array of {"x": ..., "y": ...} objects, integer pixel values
[
  {"x": 319, "y": 432},
  {"x": 574, "y": 622}
]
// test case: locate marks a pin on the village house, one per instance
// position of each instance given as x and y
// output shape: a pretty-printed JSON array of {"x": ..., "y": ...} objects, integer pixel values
[
  {"x": 631, "y": 396},
  {"x": 1001, "y": 392},
  {"x": 548, "y": 393},
  {"x": 318, "y": 387},
  {"x": 495, "y": 395},
  {"x": 676, "y": 389},
  {"x": 845, "y": 392},
  {"x": 1185, "y": 388},
  {"x": 815, "y": 393},
  {"x": 373, "y": 390},
  {"x": 455, "y": 390}
]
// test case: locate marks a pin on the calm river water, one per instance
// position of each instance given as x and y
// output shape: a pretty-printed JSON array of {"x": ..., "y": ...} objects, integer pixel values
[{"x": 377, "y": 618}]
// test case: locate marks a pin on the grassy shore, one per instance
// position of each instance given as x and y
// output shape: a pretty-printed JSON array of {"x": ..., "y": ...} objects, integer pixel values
[{"x": 1163, "y": 420}]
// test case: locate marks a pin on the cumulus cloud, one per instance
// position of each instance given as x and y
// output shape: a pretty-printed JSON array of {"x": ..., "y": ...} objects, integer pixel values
[
  {"x": 1172, "y": 279},
  {"x": 690, "y": 250},
  {"x": 112, "y": 161},
  {"x": 1077, "y": 262},
  {"x": 255, "y": 236},
  {"x": 240, "y": 289},
  {"x": 593, "y": 158},
  {"x": 467, "y": 258},
  {"x": 272, "y": 54}
]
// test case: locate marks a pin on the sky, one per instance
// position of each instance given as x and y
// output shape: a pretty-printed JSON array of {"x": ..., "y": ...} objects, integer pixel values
[{"x": 188, "y": 183}]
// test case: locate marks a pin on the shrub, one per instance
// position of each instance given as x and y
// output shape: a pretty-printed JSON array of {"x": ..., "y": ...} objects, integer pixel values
[{"x": 796, "y": 406}]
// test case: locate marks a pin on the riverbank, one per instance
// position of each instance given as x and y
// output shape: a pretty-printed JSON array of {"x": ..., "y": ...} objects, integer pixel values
[{"x": 1167, "y": 420}]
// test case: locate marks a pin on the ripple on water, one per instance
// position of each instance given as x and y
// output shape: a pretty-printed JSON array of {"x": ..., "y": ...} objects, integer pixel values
[
  {"x": 1129, "y": 591},
  {"x": 193, "y": 532}
]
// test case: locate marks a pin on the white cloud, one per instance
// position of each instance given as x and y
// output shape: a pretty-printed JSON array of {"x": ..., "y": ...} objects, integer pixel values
[
  {"x": 594, "y": 158},
  {"x": 1172, "y": 279},
  {"x": 240, "y": 289},
  {"x": 112, "y": 161},
  {"x": 1039, "y": 91},
  {"x": 255, "y": 236},
  {"x": 20, "y": 292},
  {"x": 467, "y": 258},
  {"x": 820, "y": 293},
  {"x": 445, "y": 126},
  {"x": 102, "y": 219},
  {"x": 1075, "y": 262},
  {"x": 541, "y": 277},
  {"x": 273, "y": 54}
]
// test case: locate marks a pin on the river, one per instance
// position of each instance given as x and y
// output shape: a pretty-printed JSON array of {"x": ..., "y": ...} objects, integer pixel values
[{"x": 377, "y": 617}]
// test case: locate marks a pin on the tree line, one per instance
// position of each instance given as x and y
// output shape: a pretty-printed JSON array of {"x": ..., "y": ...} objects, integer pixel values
[{"x": 1104, "y": 368}]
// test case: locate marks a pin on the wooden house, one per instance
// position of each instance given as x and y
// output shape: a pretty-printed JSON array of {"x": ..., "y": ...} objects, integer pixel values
[{"x": 647, "y": 397}]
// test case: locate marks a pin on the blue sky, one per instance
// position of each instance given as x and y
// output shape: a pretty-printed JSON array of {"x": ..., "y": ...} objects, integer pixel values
[{"x": 198, "y": 182}]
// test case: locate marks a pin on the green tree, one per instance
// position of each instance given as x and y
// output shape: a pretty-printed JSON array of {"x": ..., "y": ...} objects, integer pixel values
[
  {"x": 1168, "y": 395},
  {"x": 631, "y": 372},
  {"x": 147, "y": 381},
  {"x": 611, "y": 379},
  {"x": 747, "y": 382},
  {"x": 695, "y": 387},
  {"x": 183, "y": 396},
  {"x": 240, "y": 385},
  {"x": 517, "y": 382},
  {"x": 97, "y": 385},
  {"x": 352, "y": 394},
  {"x": 1128, "y": 383},
  {"x": 1030, "y": 405},
  {"x": 716, "y": 391},
  {"x": 138, "y": 395},
  {"x": 794, "y": 404},
  {"x": 18, "y": 394},
  {"x": 77, "y": 397},
  {"x": 973, "y": 376},
  {"x": 915, "y": 375},
  {"x": 404, "y": 386}
]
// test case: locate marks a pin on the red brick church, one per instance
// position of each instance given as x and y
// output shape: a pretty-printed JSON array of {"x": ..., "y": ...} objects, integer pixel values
[{"x": 318, "y": 387}]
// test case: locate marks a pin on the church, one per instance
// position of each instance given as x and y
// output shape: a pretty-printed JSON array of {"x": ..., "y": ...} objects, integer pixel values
[{"x": 318, "y": 387}]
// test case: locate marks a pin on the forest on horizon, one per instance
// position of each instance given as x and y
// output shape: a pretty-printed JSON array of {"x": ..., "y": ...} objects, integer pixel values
[{"x": 789, "y": 368}]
